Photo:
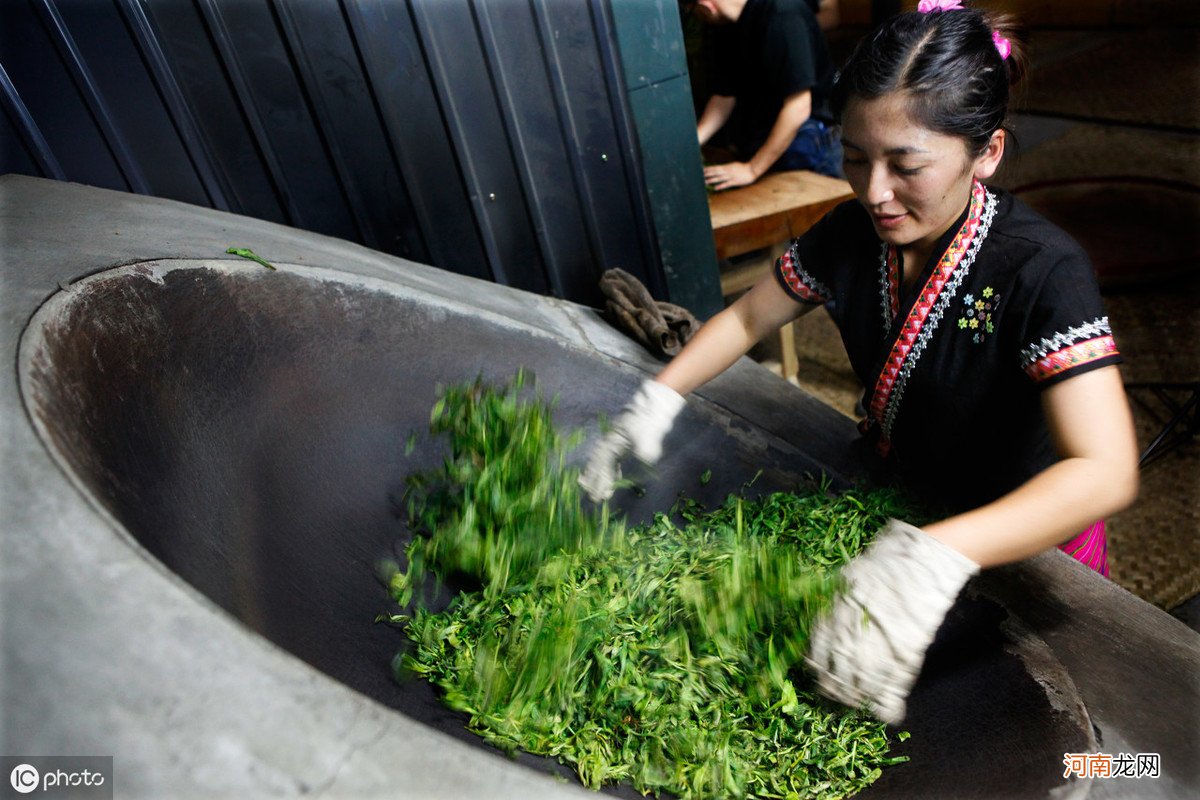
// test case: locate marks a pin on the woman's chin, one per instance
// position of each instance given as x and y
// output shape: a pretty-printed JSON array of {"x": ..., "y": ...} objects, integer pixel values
[{"x": 891, "y": 236}]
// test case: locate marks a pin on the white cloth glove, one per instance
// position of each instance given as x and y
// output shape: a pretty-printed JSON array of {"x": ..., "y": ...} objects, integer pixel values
[
  {"x": 869, "y": 647},
  {"x": 640, "y": 428}
]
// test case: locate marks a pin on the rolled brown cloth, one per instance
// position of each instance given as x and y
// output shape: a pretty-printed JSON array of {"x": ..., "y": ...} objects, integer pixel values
[{"x": 663, "y": 328}]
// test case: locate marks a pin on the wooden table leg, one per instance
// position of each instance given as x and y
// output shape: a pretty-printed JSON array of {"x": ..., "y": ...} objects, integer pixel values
[{"x": 789, "y": 362}]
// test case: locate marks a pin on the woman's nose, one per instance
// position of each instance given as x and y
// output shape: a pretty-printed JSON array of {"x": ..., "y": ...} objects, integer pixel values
[{"x": 879, "y": 187}]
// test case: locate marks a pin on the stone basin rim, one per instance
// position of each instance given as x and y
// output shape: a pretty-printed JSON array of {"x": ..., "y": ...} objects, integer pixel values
[{"x": 33, "y": 342}]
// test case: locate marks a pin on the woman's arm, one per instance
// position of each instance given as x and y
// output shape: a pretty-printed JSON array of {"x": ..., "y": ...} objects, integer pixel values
[
  {"x": 870, "y": 646},
  {"x": 727, "y": 336},
  {"x": 1097, "y": 475},
  {"x": 643, "y": 424}
]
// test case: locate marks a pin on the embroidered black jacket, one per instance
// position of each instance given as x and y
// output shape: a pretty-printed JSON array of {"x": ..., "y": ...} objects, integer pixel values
[{"x": 953, "y": 369}]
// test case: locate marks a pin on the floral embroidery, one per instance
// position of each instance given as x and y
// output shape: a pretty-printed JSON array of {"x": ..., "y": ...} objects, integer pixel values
[
  {"x": 804, "y": 286},
  {"x": 977, "y": 314},
  {"x": 928, "y": 311},
  {"x": 1079, "y": 344}
]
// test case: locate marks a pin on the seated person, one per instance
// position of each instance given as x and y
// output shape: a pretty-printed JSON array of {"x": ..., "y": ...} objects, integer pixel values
[{"x": 771, "y": 85}]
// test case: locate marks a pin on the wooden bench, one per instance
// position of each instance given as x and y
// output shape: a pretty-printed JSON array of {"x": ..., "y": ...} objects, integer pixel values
[{"x": 766, "y": 214}]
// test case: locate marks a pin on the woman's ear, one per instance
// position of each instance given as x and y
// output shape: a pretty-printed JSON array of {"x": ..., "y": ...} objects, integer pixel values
[{"x": 988, "y": 161}]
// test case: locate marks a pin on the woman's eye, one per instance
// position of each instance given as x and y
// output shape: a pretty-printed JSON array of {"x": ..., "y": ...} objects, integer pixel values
[{"x": 907, "y": 170}]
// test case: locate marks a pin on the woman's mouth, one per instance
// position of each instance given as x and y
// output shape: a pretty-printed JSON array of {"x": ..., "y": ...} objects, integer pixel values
[{"x": 889, "y": 221}]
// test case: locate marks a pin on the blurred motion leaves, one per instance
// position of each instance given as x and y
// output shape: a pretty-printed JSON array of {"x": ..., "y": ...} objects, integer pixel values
[{"x": 662, "y": 655}]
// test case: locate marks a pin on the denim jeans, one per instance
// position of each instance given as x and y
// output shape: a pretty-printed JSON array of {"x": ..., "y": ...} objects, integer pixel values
[{"x": 816, "y": 147}]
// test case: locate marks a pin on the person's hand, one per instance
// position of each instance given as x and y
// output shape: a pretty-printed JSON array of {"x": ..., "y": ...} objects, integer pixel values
[
  {"x": 869, "y": 647},
  {"x": 640, "y": 428},
  {"x": 728, "y": 176}
]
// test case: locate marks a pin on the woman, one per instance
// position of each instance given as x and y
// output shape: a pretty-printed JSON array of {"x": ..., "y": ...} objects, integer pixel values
[{"x": 975, "y": 326}]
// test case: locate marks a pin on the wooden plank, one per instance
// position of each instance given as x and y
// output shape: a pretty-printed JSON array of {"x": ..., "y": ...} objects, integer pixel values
[
  {"x": 743, "y": 276},
  {"x": 769, "y": 212},
  {"x": 776, "y": 208}
]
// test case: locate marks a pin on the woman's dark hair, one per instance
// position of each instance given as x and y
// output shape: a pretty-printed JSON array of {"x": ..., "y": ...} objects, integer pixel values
[{"x": 947, "y": 61}]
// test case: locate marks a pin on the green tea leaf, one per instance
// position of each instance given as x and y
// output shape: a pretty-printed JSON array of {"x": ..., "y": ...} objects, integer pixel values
[{"x": 664, "y": 655}]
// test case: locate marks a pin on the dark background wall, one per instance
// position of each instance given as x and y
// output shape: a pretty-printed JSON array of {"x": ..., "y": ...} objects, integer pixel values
[{"x": 530, "y": 142}]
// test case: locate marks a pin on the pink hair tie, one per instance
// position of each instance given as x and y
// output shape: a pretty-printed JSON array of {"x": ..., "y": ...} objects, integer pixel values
[
  {"x": 926, "y": 6},
  {"x": 1002, "y": 44}
]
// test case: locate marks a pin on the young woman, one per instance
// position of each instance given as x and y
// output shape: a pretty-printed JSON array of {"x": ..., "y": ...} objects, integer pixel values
[{"x": 975, "y": 326}]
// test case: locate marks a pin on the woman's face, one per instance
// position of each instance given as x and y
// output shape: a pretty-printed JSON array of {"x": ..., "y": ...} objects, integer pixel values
[{"x": 913, "y": 181}]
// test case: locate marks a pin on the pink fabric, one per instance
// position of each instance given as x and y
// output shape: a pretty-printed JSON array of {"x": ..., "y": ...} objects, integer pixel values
[
  {"x": 1002, "y": 44},
  {"x": 1090, "y": 547},
  {"x": 927, "y": 6}
]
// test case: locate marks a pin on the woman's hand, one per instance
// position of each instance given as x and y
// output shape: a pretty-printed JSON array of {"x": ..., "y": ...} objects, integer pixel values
[
  {"x": 640, "y": 429},
  {"x": 869, "y": 648},
  {"x": 644, "y": 423}
]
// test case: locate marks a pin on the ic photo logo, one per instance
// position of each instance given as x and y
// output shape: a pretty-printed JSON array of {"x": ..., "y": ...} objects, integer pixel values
[
  {"x": 53, "y": 777},
  {"x": 24, "y": 778}
]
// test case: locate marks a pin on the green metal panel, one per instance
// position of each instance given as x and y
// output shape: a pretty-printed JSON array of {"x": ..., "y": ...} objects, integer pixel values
[
  {"x": 651, "y": 41},
  {"x": 674, "y": 178},
  {"x": 650, "y": 38}
]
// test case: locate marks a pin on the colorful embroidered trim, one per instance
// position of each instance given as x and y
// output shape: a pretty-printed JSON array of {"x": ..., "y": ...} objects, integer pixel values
[
  {"x": 805, "y": 286},
  {"x": 1087, "y": 330},
  {"x": 1071, "y": 356},
  {"x": 927, "y": 312},
  {"x": 1090, "y": 547},
  {"x": 943, "y": 304}
]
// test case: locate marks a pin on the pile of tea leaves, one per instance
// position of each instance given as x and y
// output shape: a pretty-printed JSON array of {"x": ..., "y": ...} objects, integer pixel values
[{"x": 663, "y": 655}]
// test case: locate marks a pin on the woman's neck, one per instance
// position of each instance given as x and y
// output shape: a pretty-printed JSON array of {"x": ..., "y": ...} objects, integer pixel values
[{"x": 912, "y": 260}]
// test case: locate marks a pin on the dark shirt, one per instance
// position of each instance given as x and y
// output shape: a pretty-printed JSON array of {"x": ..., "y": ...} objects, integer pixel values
[
  {"x": 774, "y": 50},
  {"x": 953, "y": 368}
]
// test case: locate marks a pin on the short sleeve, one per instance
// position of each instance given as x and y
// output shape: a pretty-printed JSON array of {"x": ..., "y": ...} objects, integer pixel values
[
  {"x": 788, "y": 50},
  {"x": 809, "y": 267},
  {"x": 796, "y": 280},
  {"x": 1066, "y": 331}
]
